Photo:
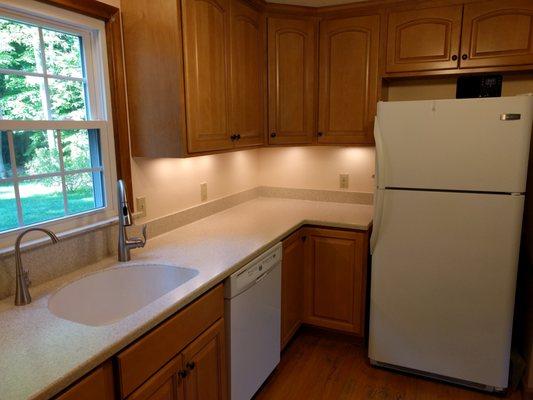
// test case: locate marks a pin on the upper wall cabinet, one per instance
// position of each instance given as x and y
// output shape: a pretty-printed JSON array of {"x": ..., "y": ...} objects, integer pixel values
[
  {"x": 497, "y": 33},
  {"x": 195, "y": 75},
  {"x": 424, "y": 39},
  {"x": 292, "y": 80},
  {"x": 348, "y": 87},
  {"x": 247, "y": 75},
  {"x": 205, "y": 49}
]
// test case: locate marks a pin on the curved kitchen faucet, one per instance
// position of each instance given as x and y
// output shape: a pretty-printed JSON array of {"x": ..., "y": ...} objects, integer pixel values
[
  {"x": 22, "y": 294},
  {"x": 125, "y": 244}
]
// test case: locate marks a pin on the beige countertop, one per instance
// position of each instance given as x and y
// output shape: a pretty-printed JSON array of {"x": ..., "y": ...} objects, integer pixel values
[{"x": 40, "y": 354}]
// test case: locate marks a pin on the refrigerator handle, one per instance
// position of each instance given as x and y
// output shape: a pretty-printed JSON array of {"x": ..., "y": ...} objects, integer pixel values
[
  {"x": 378, "y": 212},
  {"x": 378, "y": 197}
]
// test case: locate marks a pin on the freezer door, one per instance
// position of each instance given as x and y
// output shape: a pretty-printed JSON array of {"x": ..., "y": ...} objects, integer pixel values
[
  {"x": 443, "y": 283},
  {"x": 454, "y": 144}
]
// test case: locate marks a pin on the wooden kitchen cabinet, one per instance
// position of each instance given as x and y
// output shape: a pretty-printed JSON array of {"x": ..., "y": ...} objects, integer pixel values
[
  {"x": 166, "y": 384},
  {"x": 336, "y": 264},
  {"x": 206, "y": 55},
  {"x": 292, "y": 80},
  {"x": 98, "y": 384},
  {"x": 292, "y": 286},
  {"x": 247, "y": 75},
  {"x": 205, "y": 364},
  {"x": 497, "y": 33},
  {"x": 424, "y": 39},
  {"x": 348, "y": 79}
]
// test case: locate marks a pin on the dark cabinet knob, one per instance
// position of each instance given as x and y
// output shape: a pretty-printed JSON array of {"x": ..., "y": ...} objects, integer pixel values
[
  {"x": 233, "y": 137},
  {"x": 464, "y": 57},
  {"x": 238, "y": 137},
  {"x": 273, "y": 134},
  {"x": 190, "y": 365},
  {"x": 454, "y": 57},
  {"x": 319, "y": 134},
  {"x": 183, "y": 374}
]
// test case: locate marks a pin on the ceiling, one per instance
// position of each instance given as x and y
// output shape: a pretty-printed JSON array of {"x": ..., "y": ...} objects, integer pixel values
[{"x": 313, "y": 3}]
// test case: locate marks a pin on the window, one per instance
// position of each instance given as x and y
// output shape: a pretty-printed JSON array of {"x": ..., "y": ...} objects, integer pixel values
[{"x": 55, "y": 135}]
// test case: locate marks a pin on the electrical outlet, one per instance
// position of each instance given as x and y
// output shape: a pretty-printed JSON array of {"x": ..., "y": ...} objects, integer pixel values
[
  {"x": 344, "y": 180},
  {"x": 140, "y": 209},
  {"x": 203, "y": 191}
]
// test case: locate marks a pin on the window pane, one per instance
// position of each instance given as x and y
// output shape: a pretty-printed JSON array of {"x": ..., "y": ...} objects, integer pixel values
[
  {"x": 63, "y": 53},
  {"x": 42, "y": 199},
  {"x": 36, "y": 152},
  {"x": 19, "y": 46},
  {"x": 81, "y": 192},
  {"x": 5, "y": 157},
  {"x": 81, "y": 149},
  {"x": 67, "y": 99},
  {"x": 8, "y": 207},
  {"x": 21, "y": 97}
]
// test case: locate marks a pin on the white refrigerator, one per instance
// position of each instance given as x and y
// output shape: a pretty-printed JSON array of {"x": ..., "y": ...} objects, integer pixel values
[{"x": 451, "y": 178}]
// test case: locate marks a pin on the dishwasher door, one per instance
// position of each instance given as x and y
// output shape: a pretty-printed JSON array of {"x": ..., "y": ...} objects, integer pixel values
[{"x": 254, "y": 319}]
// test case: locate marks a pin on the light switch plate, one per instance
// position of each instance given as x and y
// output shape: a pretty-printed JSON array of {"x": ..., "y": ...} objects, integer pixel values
[
  {"x": 140, "y": 209},
  {"x": 203, "y": 191},
  {"x": 344, "y": 180}
]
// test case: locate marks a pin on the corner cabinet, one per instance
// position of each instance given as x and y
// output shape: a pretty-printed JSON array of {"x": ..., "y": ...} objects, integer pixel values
[
  {"x": 292, "y": 286},
  {"x": 292, "y": 80},
  {"x": 424, "y": 39},
  {"x": 348, "y": 79},
  {"x": 497, "y": 33}
]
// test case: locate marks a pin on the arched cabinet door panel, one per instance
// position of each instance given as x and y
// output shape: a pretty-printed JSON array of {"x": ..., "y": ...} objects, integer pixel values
[
  {"x": 292, "y": 80},
  {"x": 348, "y": 88},
  {"x": 205, "y": 33},
  {"x": 424, "y": 39},
  {"x": 247, "y": 72},
  {"x": 497, "y": 33}
]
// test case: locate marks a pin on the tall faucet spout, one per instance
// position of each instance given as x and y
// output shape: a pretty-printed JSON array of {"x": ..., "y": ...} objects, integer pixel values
[{"x": 125, "y": 244}]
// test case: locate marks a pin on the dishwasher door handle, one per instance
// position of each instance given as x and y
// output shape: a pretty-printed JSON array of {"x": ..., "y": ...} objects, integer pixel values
[{"x": 260, "y": 278}]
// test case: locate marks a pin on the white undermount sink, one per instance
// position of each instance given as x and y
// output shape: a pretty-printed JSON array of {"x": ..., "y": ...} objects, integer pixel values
[{"x": 111, "y": 295}]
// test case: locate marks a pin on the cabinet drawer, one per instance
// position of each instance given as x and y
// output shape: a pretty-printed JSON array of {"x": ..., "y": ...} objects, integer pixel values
[{"x": 147, "y": 355}]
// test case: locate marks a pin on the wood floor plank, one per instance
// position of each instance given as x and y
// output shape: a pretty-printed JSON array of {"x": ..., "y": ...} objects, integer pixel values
[{"x": 319, "y": 365}]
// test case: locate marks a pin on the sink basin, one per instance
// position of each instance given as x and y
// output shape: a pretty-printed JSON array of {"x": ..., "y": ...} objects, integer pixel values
[{"x": 111, "y": 295}]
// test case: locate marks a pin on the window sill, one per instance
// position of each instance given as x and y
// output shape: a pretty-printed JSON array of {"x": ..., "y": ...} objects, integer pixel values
[{"x": 36, "y": 243}]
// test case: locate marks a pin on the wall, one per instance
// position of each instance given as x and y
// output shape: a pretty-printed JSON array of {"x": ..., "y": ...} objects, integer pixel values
[
  {"x": 317, "y": 167},
  {"x": 171, "y": 185}
]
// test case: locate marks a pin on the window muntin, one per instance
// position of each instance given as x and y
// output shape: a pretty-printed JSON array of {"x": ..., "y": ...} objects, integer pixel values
[{"x": 54, "y": 140}]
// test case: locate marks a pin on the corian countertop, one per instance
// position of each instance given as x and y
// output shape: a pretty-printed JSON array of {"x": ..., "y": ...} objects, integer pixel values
[{"x": 40, "y": 354}]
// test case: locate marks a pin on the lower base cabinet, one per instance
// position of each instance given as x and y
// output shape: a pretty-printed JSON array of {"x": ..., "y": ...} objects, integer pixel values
[
  {"x": 324, "y": 276},
  {"x": 197, "y": 373},
  {"x": 98, "y": 384}
]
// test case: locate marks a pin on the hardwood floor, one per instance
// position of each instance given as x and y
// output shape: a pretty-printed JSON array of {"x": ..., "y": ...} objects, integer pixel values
[{"x": 318, "y": 365}]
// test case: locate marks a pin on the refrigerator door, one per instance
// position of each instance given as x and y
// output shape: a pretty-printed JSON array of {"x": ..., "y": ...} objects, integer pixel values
[
  {"x": 443, "y": 282},
  {"x": 463, "y": 144}
]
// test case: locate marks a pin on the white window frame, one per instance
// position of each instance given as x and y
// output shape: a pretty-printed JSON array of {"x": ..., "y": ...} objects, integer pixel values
[{"x": 93, "y": 36}]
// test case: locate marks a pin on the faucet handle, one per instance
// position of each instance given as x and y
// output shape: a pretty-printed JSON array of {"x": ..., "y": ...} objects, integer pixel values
[
  {"x": 143, "y": 234},
  {"x": 140, "y": 241}
]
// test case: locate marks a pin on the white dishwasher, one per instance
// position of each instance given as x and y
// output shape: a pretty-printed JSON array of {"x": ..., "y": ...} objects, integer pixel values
[{"x": 253, "y": 318}]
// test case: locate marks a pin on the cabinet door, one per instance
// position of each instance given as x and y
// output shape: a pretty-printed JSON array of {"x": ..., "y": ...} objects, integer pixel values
[
  {"x": 292, "y": 80},
  {"x": 497, "y": 33},
  {"x": 336, "y": 281},
  {"x": 166, "y": 384},
  {"x": 292, "y": 286},
  {"x": 205, "y": 361},
  {"x": 96, "y": 385},
  {"x": 205, "y": 34},
  {"x": 424, "y": 39},
  {"x": 247, "y": 75},
  {"x": 348, "y": 91}
]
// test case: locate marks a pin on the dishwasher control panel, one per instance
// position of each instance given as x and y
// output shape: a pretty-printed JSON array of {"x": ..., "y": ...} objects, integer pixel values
[{"x": 253, "y": 271}]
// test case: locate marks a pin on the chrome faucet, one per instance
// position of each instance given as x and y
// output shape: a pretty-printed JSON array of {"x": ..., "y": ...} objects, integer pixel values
[
  {"x": 125, "y": 244},
  {"x": 22, "y": 294}
]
